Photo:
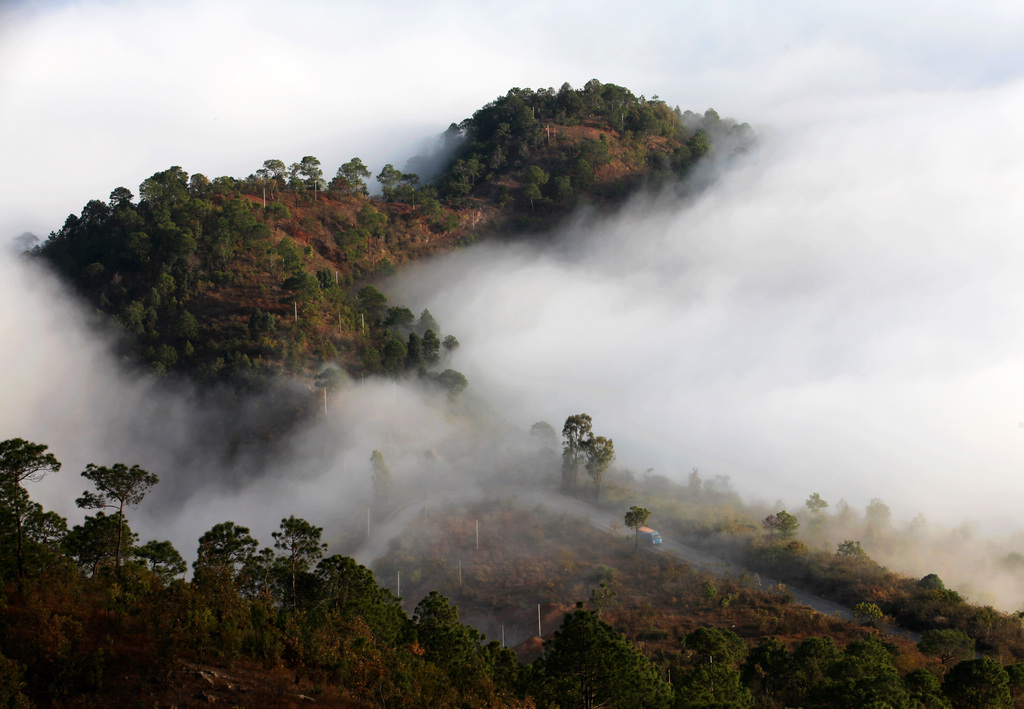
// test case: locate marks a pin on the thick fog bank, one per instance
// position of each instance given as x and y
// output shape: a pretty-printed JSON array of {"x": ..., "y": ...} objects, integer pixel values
[
  {"x": 839, "y": 313},
  {"x": 63, "y": 386}
]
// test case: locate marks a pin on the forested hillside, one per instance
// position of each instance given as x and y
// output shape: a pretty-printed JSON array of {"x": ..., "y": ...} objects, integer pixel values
[
  {"x": 92, "y": 616},
  {"x": 247, "y": 286},
  {"x": 240, "y": 278}
]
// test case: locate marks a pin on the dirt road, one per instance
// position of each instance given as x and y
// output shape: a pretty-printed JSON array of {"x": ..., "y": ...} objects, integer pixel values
[{"x": 607, "y": 521}]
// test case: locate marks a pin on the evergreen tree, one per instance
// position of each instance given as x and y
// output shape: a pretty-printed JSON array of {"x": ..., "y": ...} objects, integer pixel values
[
  {"x": 431, "y": 348},
  {"x": 587, "y": 664},
  {"x": 351, "y": 590},
  {"x": 600, "y": 453},
  {"x": 865, "y": 676},
  {"x": 352, "y": 174},
  {"x": 978, "y": 683},
  {"x": 21, "y": 461},
  {"x": 576, "y": 431},
  {"x": 446, "y": 641},
  {"x": 299, "y": 541},
  {"x": 425, "y": 323},
  {"x": 225, "y": 548},
  {"x": 162, "y": 559},
  {"x": 98, "y": 541},
  {"x": 117, "y": 487},
  {"x": 710, "y": 676}
]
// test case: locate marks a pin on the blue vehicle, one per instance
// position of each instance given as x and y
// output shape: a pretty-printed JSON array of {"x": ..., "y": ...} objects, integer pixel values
[{"x": 649, "y": 535}]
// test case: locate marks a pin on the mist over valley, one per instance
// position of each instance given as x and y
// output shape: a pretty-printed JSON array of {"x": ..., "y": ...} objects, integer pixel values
[
  {"x": 814, "y": 317},
  {"x": 788, "y": 326}
]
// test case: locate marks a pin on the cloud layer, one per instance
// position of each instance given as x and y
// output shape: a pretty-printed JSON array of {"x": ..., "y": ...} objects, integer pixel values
[
  {"x": 62, "y": 386},
  {"x": 837, "y": 313}
]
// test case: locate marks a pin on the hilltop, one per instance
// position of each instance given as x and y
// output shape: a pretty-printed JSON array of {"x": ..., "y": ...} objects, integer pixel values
[{"x": 237, "y": 279}]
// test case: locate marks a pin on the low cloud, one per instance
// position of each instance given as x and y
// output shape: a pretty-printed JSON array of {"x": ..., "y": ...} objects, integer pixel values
[
  {"x": 836, "y": 313},
  {"x": 218, "y": 456}
]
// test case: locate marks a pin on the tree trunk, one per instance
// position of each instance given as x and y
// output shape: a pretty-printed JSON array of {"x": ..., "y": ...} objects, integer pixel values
[
  {"x": 120, "y": 532},
  {"x": 21, "y": 549},
  {"x": 294, "y": 603}
]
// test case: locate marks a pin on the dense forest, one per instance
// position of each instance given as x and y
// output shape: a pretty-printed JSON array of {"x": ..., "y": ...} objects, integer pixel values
[{"x": 248, "y": 285}]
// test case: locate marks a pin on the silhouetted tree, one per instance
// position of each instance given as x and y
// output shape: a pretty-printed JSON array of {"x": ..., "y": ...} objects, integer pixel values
[
  {"x": 850, "y": 550},
  {"x": 399, "y": 317},
  {"x": 331, "y": 379},
  {"x": 425, "y": 323},
  {"x": 413, "y": 352},
  {"x": 162, "y": 559},
  {"x": 447, "y": 641},
  {"x": 544, "y": 432},
  {"x": 21, "y": 461},
  {"x": 97, "y": 541},
  {"x": 878, "y": 516},
  {"x": 300, "y": 543},
  {"x": 117, "y": 487},
  {"x": 225, "y": 547},
  {"x": 450, "y": 343},
  {"x": 600, "y": 453},
  {"x": 394, "y": 356},
  {"x": 575, "y": 432},
  {"x": 309, "y": 169}
]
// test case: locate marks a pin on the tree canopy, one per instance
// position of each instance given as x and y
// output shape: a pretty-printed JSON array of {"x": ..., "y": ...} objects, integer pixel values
[
  {"x": 22, "y": 461},
  {"x": 588, "y": 664},
  {"x": 117, "y": 487},
  {"x": 636, "y": 518}
]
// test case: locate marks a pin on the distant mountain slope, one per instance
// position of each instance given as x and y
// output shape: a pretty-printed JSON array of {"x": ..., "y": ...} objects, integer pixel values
[
  {"x": 547, "y": 151},
  {"x": 237, "y": 279}
]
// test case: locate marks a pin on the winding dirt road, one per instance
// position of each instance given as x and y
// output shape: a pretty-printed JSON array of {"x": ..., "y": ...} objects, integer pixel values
[{"x": 376, "y": 546}]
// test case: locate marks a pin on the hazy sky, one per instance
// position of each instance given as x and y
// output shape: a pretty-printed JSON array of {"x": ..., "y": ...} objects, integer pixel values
[
  {"x": 94, "y": 95},
  {"x": 840, "y": 312}
]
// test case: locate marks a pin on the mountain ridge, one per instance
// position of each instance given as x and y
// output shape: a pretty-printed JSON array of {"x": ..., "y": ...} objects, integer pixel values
[{"x": 205, "y": 275}]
